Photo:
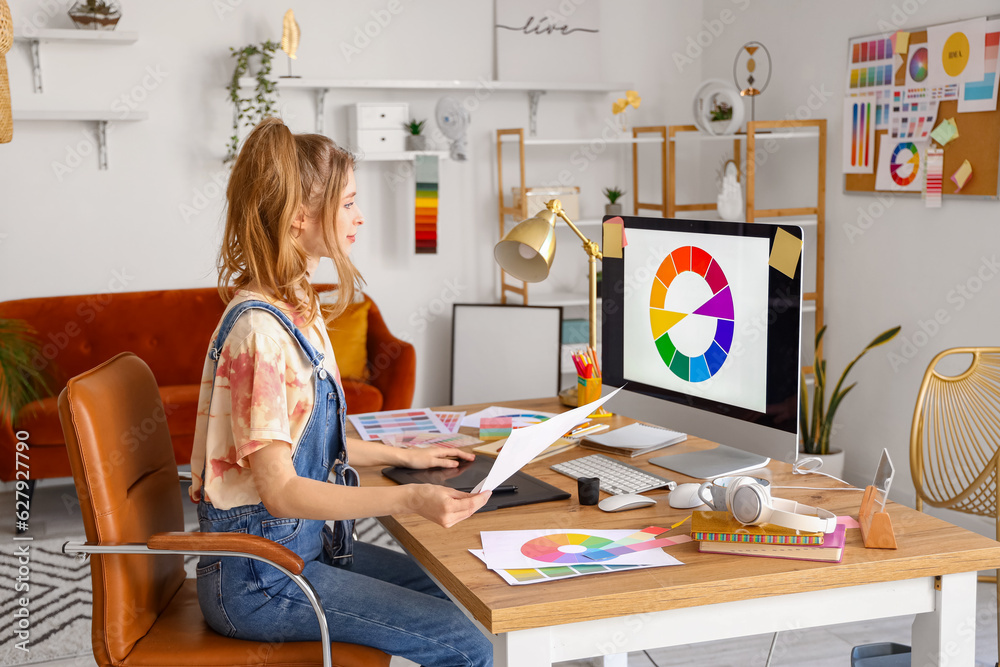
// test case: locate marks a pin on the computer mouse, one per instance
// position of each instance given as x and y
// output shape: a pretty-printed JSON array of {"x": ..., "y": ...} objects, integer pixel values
[
  {"x": 626, "y": 501},
  {"x": 685, "y": 496}
]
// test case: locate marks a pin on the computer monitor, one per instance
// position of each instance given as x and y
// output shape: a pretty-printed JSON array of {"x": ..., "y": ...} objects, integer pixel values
[{"x": 702, "y": 322}]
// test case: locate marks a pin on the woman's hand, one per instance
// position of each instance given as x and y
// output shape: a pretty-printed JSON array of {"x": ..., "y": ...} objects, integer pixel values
[
  {"x": 445, "y": 506},
  {"x": 434, "y": 457}
]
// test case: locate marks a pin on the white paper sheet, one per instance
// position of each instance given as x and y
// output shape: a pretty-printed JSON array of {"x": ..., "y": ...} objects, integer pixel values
[
  {"x": 524, "y": 444},
  {"x": 900, "y": 166},
  {"x": 982, "y": 95}
]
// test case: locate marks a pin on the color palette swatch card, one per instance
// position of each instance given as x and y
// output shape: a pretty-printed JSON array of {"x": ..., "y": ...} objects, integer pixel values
[
  {"x": 494, "y": 428},
  {"x": 420, "y": 439},
  {"x": 870, "y": 72},
  {"x": 375, "y": 425},
  {"x": 451, "y": 420},
  {"x": 911, "y": 120},
  {"x": 935, "y": 174},
  {"x": 537, "y": 575},
  {"x": 981, "y": 95}
]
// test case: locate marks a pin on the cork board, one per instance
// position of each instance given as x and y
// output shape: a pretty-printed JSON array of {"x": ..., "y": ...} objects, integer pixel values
[{"x": 978, "y": 142}]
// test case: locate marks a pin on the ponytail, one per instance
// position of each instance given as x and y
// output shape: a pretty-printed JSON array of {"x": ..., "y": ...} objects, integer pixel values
[{"x": 274, "y": 175}]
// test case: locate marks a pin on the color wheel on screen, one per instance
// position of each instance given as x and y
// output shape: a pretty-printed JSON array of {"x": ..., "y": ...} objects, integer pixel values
[{"x": 691, "y": 314}]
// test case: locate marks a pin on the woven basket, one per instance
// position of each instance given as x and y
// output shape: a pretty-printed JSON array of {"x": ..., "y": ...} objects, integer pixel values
[{"x": 6, "y": 41}]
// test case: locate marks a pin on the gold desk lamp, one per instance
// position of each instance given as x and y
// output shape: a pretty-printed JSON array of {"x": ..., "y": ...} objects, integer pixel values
[{"x": 526, "y": 252}]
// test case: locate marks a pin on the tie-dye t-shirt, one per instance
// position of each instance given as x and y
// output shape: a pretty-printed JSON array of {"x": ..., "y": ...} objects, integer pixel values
[{"x": 261, "y": 390}]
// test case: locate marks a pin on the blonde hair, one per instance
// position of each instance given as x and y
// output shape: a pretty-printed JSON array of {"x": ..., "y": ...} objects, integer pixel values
[{"x": 275, "y": 173}]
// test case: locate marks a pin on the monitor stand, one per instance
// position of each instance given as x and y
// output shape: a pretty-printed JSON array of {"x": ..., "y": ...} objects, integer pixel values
[{"x": 711, "y": 463}]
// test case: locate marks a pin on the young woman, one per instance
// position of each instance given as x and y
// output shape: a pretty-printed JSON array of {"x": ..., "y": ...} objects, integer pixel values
[{"x": 270, "y": 429}]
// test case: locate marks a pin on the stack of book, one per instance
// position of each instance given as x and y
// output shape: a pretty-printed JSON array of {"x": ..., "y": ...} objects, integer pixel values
[{"x": 720, "y": 533}]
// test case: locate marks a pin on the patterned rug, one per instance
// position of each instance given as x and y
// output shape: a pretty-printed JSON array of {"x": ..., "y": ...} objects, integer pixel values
[{"x": 60, "y": 599}]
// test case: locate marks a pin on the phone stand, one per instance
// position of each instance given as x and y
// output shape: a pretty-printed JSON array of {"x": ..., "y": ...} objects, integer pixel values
[{"x": 876, "y": 527}]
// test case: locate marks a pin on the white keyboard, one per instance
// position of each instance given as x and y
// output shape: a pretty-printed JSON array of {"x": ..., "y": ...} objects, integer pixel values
[{"x": 617, "y": 478}]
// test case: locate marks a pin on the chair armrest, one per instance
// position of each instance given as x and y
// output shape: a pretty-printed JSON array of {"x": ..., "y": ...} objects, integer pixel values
[
  {"x": 392, "y": 362},
  {"x": 236, "y": 543}
]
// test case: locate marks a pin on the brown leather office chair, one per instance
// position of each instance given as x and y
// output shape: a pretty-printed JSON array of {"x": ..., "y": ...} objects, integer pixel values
[{"x": 146, "y": 611}]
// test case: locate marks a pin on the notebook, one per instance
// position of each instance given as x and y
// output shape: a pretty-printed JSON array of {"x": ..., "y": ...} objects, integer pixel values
[
  {"x": 633, "y": 440},
  {"x": 710, "y": 526},
  {"x": 831, "y": 551}
]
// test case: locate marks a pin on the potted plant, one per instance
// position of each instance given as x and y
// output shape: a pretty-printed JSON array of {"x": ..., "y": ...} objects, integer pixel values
[
  {"x": 95, "y": 14},
  {"x": 613, "y": 195},
  {"x": 414, "y": 140},
  {"x": 248, "y": 111},
  {"x": 20, "y": 382},
  {"x": 720, "y": 113},
  {"x": 816, "y": 423}
]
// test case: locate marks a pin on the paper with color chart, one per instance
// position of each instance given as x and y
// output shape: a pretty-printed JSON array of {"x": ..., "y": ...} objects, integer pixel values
[
  {"x": 870, "y": 72},
  {"x": 522, "y": 576},
  {"x": 506, "y": 549},
  {"x": 956, "y": 52},
  {"x": 526, "y": 443},
  {"x": 375, "y": 425},
  {"x": 982, "y": 95},
  {"x": 911, "y": 120},
  {"x": 859, "y": 134},
  {"x": 452, "y": 420},
  {"x": 520, "y": 418},
  {"x": 900, "y": 166}
]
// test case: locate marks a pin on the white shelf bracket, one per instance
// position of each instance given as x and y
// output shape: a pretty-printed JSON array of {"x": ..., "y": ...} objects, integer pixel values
[
  {"x": 320, "y": 108},
  {"x": 36, "y": 65},
  {"x": 533, "y": 97},
  {"x": 102, "y": 144}
]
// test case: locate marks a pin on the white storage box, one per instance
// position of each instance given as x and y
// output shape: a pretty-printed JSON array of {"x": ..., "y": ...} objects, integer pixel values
[
  {"x": 569, "y": 196},
  {"x": 378, "y": 127}
]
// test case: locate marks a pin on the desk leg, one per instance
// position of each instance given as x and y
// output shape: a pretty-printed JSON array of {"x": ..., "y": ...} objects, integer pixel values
[
  {"x": 617, "y": 660},
  {"x": 946, "y": 637},
  {"x": 523, "y": 648}
]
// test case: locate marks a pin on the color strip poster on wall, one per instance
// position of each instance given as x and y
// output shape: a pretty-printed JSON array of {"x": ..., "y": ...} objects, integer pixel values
[
  {"x": 426, "y": 211},
  {"x": 982, "y": 95},
  {"x": 869, "y": 71},
  {"x": 859, "y": 134}
]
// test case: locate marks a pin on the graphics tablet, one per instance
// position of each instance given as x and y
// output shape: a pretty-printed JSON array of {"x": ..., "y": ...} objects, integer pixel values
[{"x": 470, "y": 473}]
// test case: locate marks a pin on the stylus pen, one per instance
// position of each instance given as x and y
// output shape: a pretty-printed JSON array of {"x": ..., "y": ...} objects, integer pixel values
[{"x": 503, "y": 488}]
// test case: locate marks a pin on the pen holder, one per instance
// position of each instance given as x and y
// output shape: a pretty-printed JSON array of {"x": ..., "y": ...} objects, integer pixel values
[{"x": 587, "y": 391}]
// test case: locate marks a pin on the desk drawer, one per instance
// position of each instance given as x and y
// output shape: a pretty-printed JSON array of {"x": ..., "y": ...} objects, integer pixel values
[{"x": 381, "y": 116}]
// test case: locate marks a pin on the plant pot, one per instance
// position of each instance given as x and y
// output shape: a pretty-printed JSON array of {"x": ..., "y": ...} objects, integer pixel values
[
  {"x": 612, "y": 209},
  {"x": 833, "y": 463},
  {"x": 86, "y": 19},
  {"x": 417, "y": 142}
]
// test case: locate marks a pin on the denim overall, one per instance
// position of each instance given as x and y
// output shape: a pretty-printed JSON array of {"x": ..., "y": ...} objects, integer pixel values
[{"x": 382, "y": 600}]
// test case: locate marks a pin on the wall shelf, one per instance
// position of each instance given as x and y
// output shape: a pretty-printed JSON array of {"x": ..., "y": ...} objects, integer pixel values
[
  {"x": 401, "y": 156},
  {"x": 36, "y": 37},
  {"x": 100, "y": 116},
  {"x": 585, "y": 141},
  {"x": 534, "y": 89}
]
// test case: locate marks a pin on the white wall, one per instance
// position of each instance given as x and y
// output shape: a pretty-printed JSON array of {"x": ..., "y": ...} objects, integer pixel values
[
  {"x": 889, "y": 262},
  {"x": 155, "y": 215}
]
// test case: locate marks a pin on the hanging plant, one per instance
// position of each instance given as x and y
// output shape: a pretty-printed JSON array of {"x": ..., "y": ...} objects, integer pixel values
[{"x": 248, "y": 111}]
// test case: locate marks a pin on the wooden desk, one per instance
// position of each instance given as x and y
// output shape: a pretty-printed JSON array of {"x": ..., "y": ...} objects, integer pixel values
[{"x": 711, "y": 596}]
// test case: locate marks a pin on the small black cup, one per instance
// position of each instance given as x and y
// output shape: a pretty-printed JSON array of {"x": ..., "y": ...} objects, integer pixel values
[{"x": 589, "y": 490}]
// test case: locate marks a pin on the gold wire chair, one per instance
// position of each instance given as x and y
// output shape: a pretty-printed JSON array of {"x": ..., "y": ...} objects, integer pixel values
[{"x": 955, "y": 438}]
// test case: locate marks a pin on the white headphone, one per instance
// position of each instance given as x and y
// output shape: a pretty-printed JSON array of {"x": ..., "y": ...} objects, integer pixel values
[{"x": 751, "y": 504}]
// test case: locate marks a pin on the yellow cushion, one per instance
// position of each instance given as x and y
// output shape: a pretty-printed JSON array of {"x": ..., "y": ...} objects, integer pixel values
[{"x": 349, "y": 337}]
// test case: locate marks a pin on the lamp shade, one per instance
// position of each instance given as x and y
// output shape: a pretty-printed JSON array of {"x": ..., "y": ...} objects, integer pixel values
[{"x": 526, "y": 252}]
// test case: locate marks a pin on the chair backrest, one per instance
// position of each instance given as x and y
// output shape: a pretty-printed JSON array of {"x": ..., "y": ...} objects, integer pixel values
[
  {"x": 504, "y": 353},
  {"x": 955, "y": 436},
  {"x": 126, "y": 478}
]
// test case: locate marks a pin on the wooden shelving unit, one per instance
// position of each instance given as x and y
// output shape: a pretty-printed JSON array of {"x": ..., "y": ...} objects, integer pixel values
[
  {"x": 519, "y": 209},
  {"x": 807, "y": 216}
]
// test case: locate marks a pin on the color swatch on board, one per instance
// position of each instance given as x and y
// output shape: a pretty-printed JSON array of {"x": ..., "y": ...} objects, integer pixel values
[
  {"x": 905, "y": 163},
  {"x": 859, "y": 134},
  {"x": 912, "y": 120},
  {"x": 717, "y": 308},
  {"x": 426, "y": 214}
]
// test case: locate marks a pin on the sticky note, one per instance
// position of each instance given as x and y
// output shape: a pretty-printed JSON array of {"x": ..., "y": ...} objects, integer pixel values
[
  {"x": 902, "y": 42},
  {"x": 614, "y": 236},
  {"x": 785, "y": 253},
  {"x": 945, "y": 132},
  {"x": 962, "y": 176}
]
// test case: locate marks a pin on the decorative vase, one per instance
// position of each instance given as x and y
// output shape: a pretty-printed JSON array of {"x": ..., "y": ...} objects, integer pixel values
[
  {"x": 95, "y": 14},
  {"x": 612, "y": 209},
  {"x": 833, "y": 463},
  {"x": 729, "y": 203},
  {"x": 417, "y": 142}
]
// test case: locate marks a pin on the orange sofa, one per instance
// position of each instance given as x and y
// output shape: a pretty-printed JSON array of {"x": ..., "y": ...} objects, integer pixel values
[{"x": 170, "y": 331}]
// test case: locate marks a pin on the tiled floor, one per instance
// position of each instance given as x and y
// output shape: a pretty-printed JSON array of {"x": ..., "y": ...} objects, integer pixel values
[{"x": 55, "y": 515}]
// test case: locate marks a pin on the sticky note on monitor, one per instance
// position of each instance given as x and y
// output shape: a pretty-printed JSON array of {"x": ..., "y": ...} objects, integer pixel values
[
  {"x": 785, "y": 253},
  {"x": 962, "y": 176},
  {"x": 614, "y": 238}
]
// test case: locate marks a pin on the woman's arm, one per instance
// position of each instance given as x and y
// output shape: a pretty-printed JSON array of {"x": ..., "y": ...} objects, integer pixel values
[
  {"x": 285, "y": 494},
  {"x": 362, "y": 453}
]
